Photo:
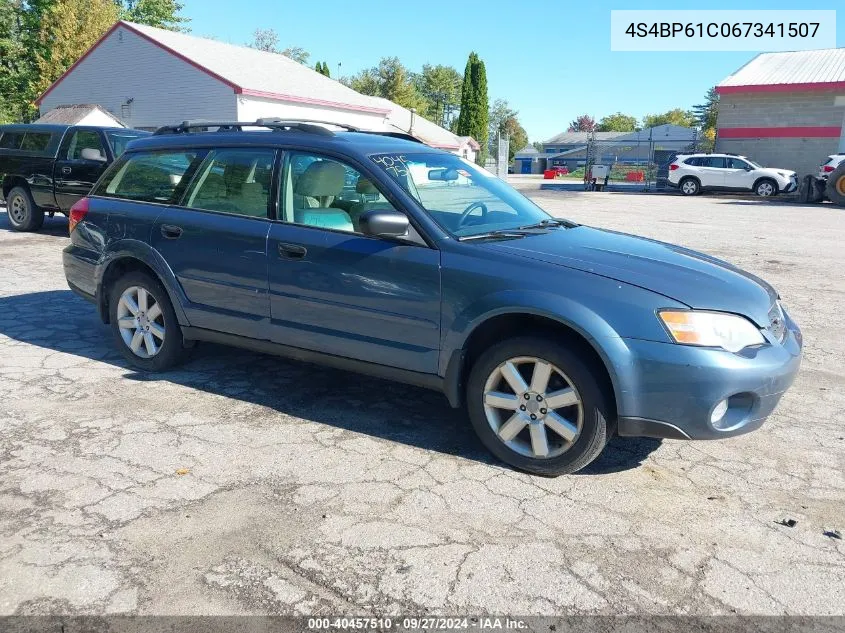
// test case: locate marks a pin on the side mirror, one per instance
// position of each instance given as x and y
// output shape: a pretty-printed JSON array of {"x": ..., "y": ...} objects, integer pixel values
[
  {"x": 90, "y": 153},
  {"x": 749, "y": 168},
  {"x": 384, "y": 223}
]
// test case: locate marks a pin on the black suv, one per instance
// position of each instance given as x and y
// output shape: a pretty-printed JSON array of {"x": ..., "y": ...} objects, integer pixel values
[{"x": 47, "y": 168}]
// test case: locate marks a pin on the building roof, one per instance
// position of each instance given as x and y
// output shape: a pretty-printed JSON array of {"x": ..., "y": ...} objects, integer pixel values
[
  {"x": 428, "y": 132},
  {"x": 73, "y": 114},
  {"x": 247, "y": 70},
  {"x": 573, "y": 138},
  {"x": 793, "y": 70}
]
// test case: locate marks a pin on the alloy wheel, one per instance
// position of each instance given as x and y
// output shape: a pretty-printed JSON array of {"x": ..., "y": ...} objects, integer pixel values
[
  {"x": 533, "y": 407},
  {"x": 765, "y": 189},
  {"x": 17, "y": 209},
  {"x": 140, "y": 321},
  {"x": 689, "y": 187}
]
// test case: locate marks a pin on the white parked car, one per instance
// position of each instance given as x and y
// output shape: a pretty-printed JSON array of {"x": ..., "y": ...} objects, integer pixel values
[
  {"x": 693, "y": 173},
  {"x": 828, "y": 166}
]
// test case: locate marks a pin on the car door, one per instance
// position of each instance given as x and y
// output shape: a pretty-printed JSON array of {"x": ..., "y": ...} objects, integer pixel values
[
  {"x": 738, "y": 174},
  {"x": 215, "y": 240},
  {"x": 81, "y": 160},
  {"x": 712, "y": 171},
  {"x": 337, "y": 291}
]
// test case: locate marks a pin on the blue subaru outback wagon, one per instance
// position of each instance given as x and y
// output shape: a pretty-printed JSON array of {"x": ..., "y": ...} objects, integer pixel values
[{"x": 375, "y": 253}]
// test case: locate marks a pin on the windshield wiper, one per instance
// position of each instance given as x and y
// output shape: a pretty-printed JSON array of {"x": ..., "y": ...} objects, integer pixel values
[
  {"x": 548, "y": 222},
  {"x": 509, "y": 234}
]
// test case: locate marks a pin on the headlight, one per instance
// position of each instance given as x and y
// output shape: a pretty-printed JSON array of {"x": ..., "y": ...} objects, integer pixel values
[{"x": 711, "y": 329}]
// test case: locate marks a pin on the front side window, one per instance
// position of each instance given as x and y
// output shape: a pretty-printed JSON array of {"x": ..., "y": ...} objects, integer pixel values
[
  {"x": 86, "y": 145},
  {"x": 460, "y": 196},
  {"x": 737, "y": 163},
  {"x": 236, "y": 181},
  {"x": 146, "y": 176},
  {"x": 327, "y": 193}
]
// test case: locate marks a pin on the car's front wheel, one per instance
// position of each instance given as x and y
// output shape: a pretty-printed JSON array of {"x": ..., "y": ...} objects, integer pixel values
[
  {"x": 537, "y": 406},
  {"x": 766, "y": 188},
  {"x": 690, "y": 186},
  {"x": 144, "y": 324}
]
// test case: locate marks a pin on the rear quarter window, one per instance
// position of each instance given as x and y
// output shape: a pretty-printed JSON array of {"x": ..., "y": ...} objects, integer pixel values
[
  {"x": 147, "y": 176},
  {"x": 25, "y": 141}
]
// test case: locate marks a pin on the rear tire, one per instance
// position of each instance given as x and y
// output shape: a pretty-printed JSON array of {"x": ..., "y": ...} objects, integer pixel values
[
  {"x": 144, "y": 323},
  {"x": 689, "y": 186},
  {"x": 836, "y": 186},
  {"x": 23, "y": 213},
  {"x": 586, "y": 423}
]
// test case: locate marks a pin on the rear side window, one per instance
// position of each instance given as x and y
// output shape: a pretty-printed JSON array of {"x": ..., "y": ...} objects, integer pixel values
[
  {"x": 146, "y": 176},
  {"x": 36, "y": 141},
  {"x": 236, "y": 181},
  {"x": 26, "y": 141}
]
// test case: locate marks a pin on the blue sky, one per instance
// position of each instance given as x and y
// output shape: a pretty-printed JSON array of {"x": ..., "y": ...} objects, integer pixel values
[{"x": 550, "y": 60}]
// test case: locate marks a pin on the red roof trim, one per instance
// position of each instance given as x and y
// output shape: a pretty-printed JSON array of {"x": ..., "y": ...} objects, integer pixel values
[
  {"x": 283, "y": 97},
  {"x": 780, "y": 132},
  {"x": 813, "y": 86},
  {"x": 149, "y": 39}
]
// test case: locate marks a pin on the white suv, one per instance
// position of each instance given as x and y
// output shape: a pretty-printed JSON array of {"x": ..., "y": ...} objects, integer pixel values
[
  {"x": 830, "y": 165},
  {"x": 692, "y": 173}
]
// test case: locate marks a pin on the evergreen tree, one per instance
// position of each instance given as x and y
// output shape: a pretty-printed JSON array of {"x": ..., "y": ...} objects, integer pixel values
[{"x": 474, "y": 115}]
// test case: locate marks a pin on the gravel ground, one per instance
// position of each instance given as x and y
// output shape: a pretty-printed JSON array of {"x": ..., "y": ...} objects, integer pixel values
[{"x": 247, "y": 484}]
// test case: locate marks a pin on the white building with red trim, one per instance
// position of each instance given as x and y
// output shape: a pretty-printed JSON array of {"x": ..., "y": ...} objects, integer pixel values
[
  {"x": 785, "y": 109},
  {"x": 149, "y": 77}
]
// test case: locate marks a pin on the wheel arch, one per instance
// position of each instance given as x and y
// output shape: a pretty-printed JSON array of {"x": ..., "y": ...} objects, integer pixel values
[
  {"x": 771, "y": 179},
  {"x": 690, "y": 177},
  {"x": 133, "y": 255},
  {"x": 11, "y": 181},
  {"x": 501, "y": 324}
]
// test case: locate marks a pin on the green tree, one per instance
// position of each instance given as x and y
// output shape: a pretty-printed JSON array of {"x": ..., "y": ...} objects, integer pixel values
[
  {"x": 474, "y": 115},
  {"x": 69, "y": 28},
  {"x": 706, "y": 115},
  {"x": 324, "y": 69},
  {"x": 267, "y": 40},
  {"x": 366, "y": 82},
  {"x": 440, "y": 87},
  {"x": 503, "y": 120},
  {"x": 15, "y": 66},
  {"x": 390, "y": 80},
  {"x": 517, "y": 136},
  {"x": 617, "y": 122},
  {"x": 676, "y": 116},
  {"x": 537, "y": 145},
  {"x": 164, "y": 14},
  {"x": 297, "y": 54},
  {"x": 584, "y": 123}
]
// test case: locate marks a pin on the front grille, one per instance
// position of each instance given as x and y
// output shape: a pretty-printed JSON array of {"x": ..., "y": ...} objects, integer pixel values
[{"x": 777, "y": 322}]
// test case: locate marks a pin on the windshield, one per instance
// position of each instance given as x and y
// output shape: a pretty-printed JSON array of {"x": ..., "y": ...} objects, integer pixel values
[
  {"x": 461, "y": 197},
  {"x": 753, "y": 164},
  {"x": 118, "y": 139}
]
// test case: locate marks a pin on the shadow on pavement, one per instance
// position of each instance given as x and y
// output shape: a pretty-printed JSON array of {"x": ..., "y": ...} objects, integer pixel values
[
  {"x": 56, "y": 226},
  {"x": 392, "y": 411}
]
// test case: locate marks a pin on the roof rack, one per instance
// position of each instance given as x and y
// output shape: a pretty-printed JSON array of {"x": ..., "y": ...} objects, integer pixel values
[{"x": 303, "y": 125}]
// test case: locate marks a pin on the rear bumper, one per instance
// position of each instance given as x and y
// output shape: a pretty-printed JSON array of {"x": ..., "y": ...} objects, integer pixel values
[
  {"x": 672, "y": 390},
  {"x": 672, "y": 185},
  {"x": 80, "y": 266}
]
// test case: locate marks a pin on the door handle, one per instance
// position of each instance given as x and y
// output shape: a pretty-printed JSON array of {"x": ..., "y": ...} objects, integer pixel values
[
  {"x": 292, "y": 251},
  {"x": 171, "y": 232},
  {"x": 66, "y": 170}
]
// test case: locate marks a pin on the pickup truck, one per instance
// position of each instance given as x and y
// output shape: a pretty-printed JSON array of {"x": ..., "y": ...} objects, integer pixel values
[{"x": 45, "y": 169}]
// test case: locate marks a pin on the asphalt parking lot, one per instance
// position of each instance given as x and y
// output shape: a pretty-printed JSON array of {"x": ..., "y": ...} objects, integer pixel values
[{"x": 248, "y": 484}]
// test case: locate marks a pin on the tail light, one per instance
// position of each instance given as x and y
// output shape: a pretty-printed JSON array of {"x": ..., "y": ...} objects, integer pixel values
[
  {"x": 673, "y": 166},
  {"x": 828, "y": 168},
  {"x": 77, "y": 213}
]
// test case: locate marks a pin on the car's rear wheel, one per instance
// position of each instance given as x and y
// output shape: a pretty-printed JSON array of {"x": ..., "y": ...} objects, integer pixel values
[
  {"x": 766, "y": 188},
  {"x": 836, "y": 186},
  {"x": 537, "y": 406},
  {"x": 689, "y": 186},
  {"x": 144, "y": 324},
  {"x": 24, "y": 214}
]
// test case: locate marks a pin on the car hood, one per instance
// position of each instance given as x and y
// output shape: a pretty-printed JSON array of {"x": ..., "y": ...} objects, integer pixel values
[
  {"x": 687, "y": 276},
  {"x": 774, "y": 171}
]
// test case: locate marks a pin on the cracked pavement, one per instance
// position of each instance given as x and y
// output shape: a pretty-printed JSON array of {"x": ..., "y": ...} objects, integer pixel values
[{"x": 245, "y": 484}]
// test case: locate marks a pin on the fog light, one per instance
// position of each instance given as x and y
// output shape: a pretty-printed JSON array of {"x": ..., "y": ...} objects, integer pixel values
[{"x": 719, "y": 411}]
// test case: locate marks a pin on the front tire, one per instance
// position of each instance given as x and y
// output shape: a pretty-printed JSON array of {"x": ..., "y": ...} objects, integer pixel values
[
  {"x": 144, "y": 323},
  {"x": 538, "y": 407},
  {"x": 690, "y": 187},
  {"x": 766, "y": 188},
  {"x": 24, "y": 214}
]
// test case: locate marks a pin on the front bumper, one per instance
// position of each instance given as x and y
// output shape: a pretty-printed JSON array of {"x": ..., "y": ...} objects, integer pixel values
[
  {"x": 672, "y": 389},
  {"x": 791, "y": 185}
]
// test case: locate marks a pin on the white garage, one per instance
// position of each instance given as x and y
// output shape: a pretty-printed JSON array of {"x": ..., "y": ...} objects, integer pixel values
[{"x": 150, "y": 77}]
